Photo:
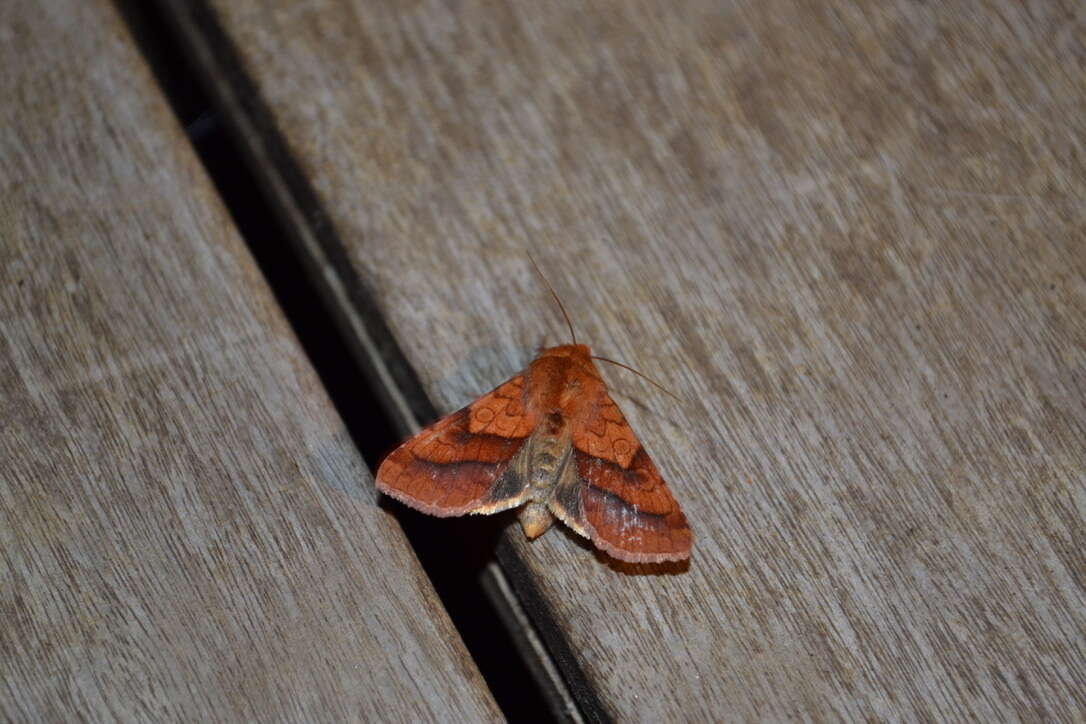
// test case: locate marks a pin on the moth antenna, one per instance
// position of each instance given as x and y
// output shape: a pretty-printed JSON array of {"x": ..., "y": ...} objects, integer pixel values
[
  {"x": 642, "y": 376},
  {"x": 555, "y": 295}
]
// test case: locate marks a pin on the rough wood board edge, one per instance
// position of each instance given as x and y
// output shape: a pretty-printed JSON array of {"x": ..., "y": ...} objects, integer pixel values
[
  {"x": 372, "y": 345},
  {"x": 299, "y": 212}
]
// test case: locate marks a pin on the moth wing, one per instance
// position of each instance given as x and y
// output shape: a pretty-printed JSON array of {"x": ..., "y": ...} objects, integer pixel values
[
  {"x": 468, "y": 462},
  {"x": 611, "y": 492}
]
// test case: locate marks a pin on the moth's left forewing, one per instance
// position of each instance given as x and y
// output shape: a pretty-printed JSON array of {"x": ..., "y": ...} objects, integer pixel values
[
  {"x": 468, "y": 462},
  {"x": 624, "y": 506}
]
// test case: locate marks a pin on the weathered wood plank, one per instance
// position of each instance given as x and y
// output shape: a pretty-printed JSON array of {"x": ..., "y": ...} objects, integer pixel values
[
  {"x": 852, "y": 238},
  {"x": 186, "y": 530}
]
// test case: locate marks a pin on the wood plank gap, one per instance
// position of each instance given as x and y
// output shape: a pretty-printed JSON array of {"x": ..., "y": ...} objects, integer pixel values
[{"x": 301, "y": 232}]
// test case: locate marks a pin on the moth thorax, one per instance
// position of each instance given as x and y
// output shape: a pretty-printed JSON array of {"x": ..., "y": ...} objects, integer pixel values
[
  {"x": 535, "y": 519},
  {"x": 554, "y": 423}
]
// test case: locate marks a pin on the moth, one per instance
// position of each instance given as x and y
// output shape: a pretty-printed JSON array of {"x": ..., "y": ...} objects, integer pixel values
[{"x": 552, "y": 440}]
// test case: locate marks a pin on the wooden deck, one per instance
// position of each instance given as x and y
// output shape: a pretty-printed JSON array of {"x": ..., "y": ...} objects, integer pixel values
[{"x": 853, "y": 240}]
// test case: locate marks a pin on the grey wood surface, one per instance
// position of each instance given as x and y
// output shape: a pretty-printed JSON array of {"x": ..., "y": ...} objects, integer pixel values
[
  {"x": 851, "y": 236},
  {"x": 186, "y": 529}
]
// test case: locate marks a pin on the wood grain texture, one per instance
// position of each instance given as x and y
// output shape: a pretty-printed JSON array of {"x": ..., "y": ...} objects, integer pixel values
[
  {"x": 851, "y": 235},
  {"x": 186, "y": 530}
]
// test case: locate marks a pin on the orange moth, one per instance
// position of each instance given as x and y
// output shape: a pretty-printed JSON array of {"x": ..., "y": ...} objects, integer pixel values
[{"x": 551, "y": 441}]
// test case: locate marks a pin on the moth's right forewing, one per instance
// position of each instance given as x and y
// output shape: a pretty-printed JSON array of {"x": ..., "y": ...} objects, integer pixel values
[
  {"x": 566, "y": 500},
  {"x": 626, "y": 507}
]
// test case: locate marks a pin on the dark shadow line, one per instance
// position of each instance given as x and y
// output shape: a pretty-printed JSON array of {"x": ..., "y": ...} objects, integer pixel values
[{"x": 452, "y": 555}]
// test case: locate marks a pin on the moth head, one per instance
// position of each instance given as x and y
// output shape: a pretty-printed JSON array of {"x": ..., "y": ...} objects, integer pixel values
[{"x": 577, "y": 352}]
